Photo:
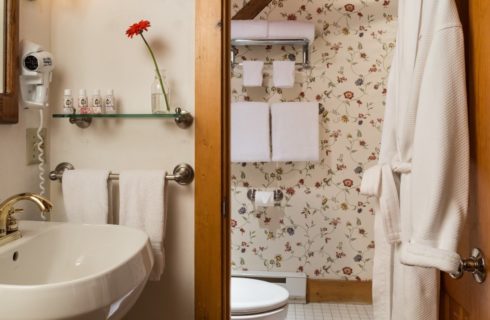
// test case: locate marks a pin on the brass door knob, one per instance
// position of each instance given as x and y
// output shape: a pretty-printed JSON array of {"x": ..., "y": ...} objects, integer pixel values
[{"x": 474, "y": 264}]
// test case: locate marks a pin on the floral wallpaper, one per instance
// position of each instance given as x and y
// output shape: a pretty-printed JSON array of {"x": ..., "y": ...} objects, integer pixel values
[{"x": 324, "y": 227}]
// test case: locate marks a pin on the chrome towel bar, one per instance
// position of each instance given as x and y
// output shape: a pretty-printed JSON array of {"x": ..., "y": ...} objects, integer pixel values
[{"x": 183, "y": 173}]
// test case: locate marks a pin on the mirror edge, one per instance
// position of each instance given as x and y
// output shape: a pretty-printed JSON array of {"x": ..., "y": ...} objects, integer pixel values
[{"x": 9, "y": 106}]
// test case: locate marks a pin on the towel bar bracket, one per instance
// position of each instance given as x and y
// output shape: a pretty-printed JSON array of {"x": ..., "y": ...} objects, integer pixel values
[
  {"x": 57, "y": 173},
  {"x": 183, "y": 173}
]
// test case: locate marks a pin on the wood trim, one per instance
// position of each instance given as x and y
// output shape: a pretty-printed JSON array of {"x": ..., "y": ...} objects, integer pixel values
[
  {"x": 9, "y": 106},
  {"x": 464, "y": 299},
  {"x": 212, "y": 229},
  {"x": 339, "y": 291},
  {"x": 451, "y": 309},
  {"x": 226, "y": 158},
  {"x": 251, "y": 9}
]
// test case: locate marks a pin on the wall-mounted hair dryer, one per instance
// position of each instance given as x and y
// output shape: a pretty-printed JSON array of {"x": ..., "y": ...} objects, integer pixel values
[{"x": 36, "y": 72}]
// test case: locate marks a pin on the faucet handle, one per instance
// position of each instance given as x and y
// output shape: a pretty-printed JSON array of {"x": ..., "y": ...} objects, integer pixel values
[
  {"x": 11, "y": 221},
  {"x": 13, "y": 210}
]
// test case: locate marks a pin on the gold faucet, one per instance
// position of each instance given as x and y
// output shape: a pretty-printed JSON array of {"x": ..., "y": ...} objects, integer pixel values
[{"x": 8, "y": 224}]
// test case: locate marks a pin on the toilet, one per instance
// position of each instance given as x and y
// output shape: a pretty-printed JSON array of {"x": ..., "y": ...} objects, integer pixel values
[{"x": 257, "y": 300}]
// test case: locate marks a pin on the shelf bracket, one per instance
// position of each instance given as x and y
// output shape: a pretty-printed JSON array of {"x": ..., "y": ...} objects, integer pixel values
[
  {"x": 184, "y": 119},
  {"x": 82, "y": 123}
]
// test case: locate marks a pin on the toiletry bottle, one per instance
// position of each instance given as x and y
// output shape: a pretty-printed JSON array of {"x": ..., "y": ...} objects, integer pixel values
[
  {"x": 83, "y": 107},
  {"x": 109, "y": 102},
  {"x": 68, "y": 107},
  {"x": 96, "y": 102}
]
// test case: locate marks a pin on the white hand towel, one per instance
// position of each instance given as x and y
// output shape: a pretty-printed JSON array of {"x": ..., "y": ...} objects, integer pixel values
[
  {"x": 142, "y": 205},
  {"x": 283, "y": 74},
  {"x": 249, "y": 29},
  {"x": 250, "y": 132},
  {"x": 295, "y": 131},
  {"x": 252, "y": 73},
  {"x": 291, "y": 30},
  {"x": 86, "y": 196}
]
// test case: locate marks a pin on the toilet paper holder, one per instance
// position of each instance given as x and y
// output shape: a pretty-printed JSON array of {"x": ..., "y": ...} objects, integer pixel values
[{"x": 278, "y": 195}]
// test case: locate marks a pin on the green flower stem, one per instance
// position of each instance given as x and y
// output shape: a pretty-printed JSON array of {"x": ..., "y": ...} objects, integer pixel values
[{"x": 158, "y": 71}]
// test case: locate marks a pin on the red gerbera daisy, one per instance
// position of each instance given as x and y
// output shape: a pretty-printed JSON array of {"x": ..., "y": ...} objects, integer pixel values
[{"x": 138, "y": 28}]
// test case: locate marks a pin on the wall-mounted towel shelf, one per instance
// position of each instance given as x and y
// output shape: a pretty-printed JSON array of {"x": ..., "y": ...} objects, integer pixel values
[
  {"x": 183, "y": 173},
  {"x": 304, "y": 43},
  {"x": 182, "y": 118}
]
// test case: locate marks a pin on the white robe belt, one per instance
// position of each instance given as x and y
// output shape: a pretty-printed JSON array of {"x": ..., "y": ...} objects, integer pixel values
[{"x": 379, "y": 181}]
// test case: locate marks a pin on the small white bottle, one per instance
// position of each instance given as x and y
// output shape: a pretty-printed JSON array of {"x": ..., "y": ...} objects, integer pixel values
[
  {"x": 68, "y": 107},
  {"x": 96, "y": 102},
  {"x": 83, "y": 107},
  {"x": 109, "y": 102}
]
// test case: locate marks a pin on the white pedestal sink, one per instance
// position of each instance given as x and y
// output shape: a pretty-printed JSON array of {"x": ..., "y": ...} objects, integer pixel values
[{"x": 68, "y": 271}]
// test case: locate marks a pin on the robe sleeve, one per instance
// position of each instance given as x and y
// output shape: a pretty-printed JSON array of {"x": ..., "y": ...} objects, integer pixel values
[{"x": 440, "y": 157}]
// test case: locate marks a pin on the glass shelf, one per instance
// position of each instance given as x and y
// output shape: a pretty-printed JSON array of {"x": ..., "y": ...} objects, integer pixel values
[
  {"x": 118, "y": 115},
  {"x": 182, "y": 118}
]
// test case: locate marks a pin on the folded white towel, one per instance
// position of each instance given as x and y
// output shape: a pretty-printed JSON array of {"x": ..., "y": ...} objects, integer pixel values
[
  {"x": 295, "y": 131},
  {"x": 249, "y": 29},
  {"x": 283, "y": 74},
  {"x": 252, "y": 73},
  {"x": 142, "y": 205},
  {"x": 86, "y": 196},
  {"x": 291, "y": 30},
  {"x": 250, "y": 132}
]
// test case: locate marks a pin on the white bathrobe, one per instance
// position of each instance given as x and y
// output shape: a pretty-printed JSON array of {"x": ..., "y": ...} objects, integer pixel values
[{"x": 421, "y": 181}]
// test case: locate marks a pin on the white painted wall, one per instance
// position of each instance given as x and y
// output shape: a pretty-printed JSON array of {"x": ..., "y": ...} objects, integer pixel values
[
  {"x": 15, "y": 175},
  {"x": 91, "y": 49}
]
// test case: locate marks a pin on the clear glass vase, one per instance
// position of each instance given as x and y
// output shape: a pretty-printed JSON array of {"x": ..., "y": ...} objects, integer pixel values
[{"x": 158, "y": 101}]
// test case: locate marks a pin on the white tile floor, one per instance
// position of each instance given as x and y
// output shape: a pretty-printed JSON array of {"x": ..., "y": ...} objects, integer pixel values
[{"x": 330, "y": 311}]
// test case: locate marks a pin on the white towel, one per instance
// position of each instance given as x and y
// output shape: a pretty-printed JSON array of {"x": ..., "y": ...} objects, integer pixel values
[
  {"x": 249, "y": 29},
  {"x": 291, "y": 30},
  {"x": 295, "y": 131},
  {"x": 86, "y": 196},
  {"x": 250, "y": 132},
  {"x": 142, "y": 205},
  {"x": 252, "y": 73},
  {"x": 283, "y": 74}
]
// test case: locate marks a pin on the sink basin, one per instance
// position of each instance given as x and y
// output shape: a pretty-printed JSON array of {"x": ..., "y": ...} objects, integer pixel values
[{"x": 70, "y": 271}]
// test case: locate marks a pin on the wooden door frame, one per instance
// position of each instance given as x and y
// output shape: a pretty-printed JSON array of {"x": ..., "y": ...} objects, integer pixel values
[
  {"x": 212, "y": 160},
  {"x": 462, "y": 299}
]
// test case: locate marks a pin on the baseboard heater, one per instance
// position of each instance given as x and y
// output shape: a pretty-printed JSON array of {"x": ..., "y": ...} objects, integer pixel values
[{"x": 294, "y": 282}]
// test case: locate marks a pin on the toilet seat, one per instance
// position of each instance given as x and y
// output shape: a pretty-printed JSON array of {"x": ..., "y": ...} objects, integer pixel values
[
  {"x": 279, "y": 314},
  {"x": 251, "y": 299}
]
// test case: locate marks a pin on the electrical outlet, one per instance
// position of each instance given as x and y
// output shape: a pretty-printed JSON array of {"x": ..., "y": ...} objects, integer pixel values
[{"x": 32, "y": 153}]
